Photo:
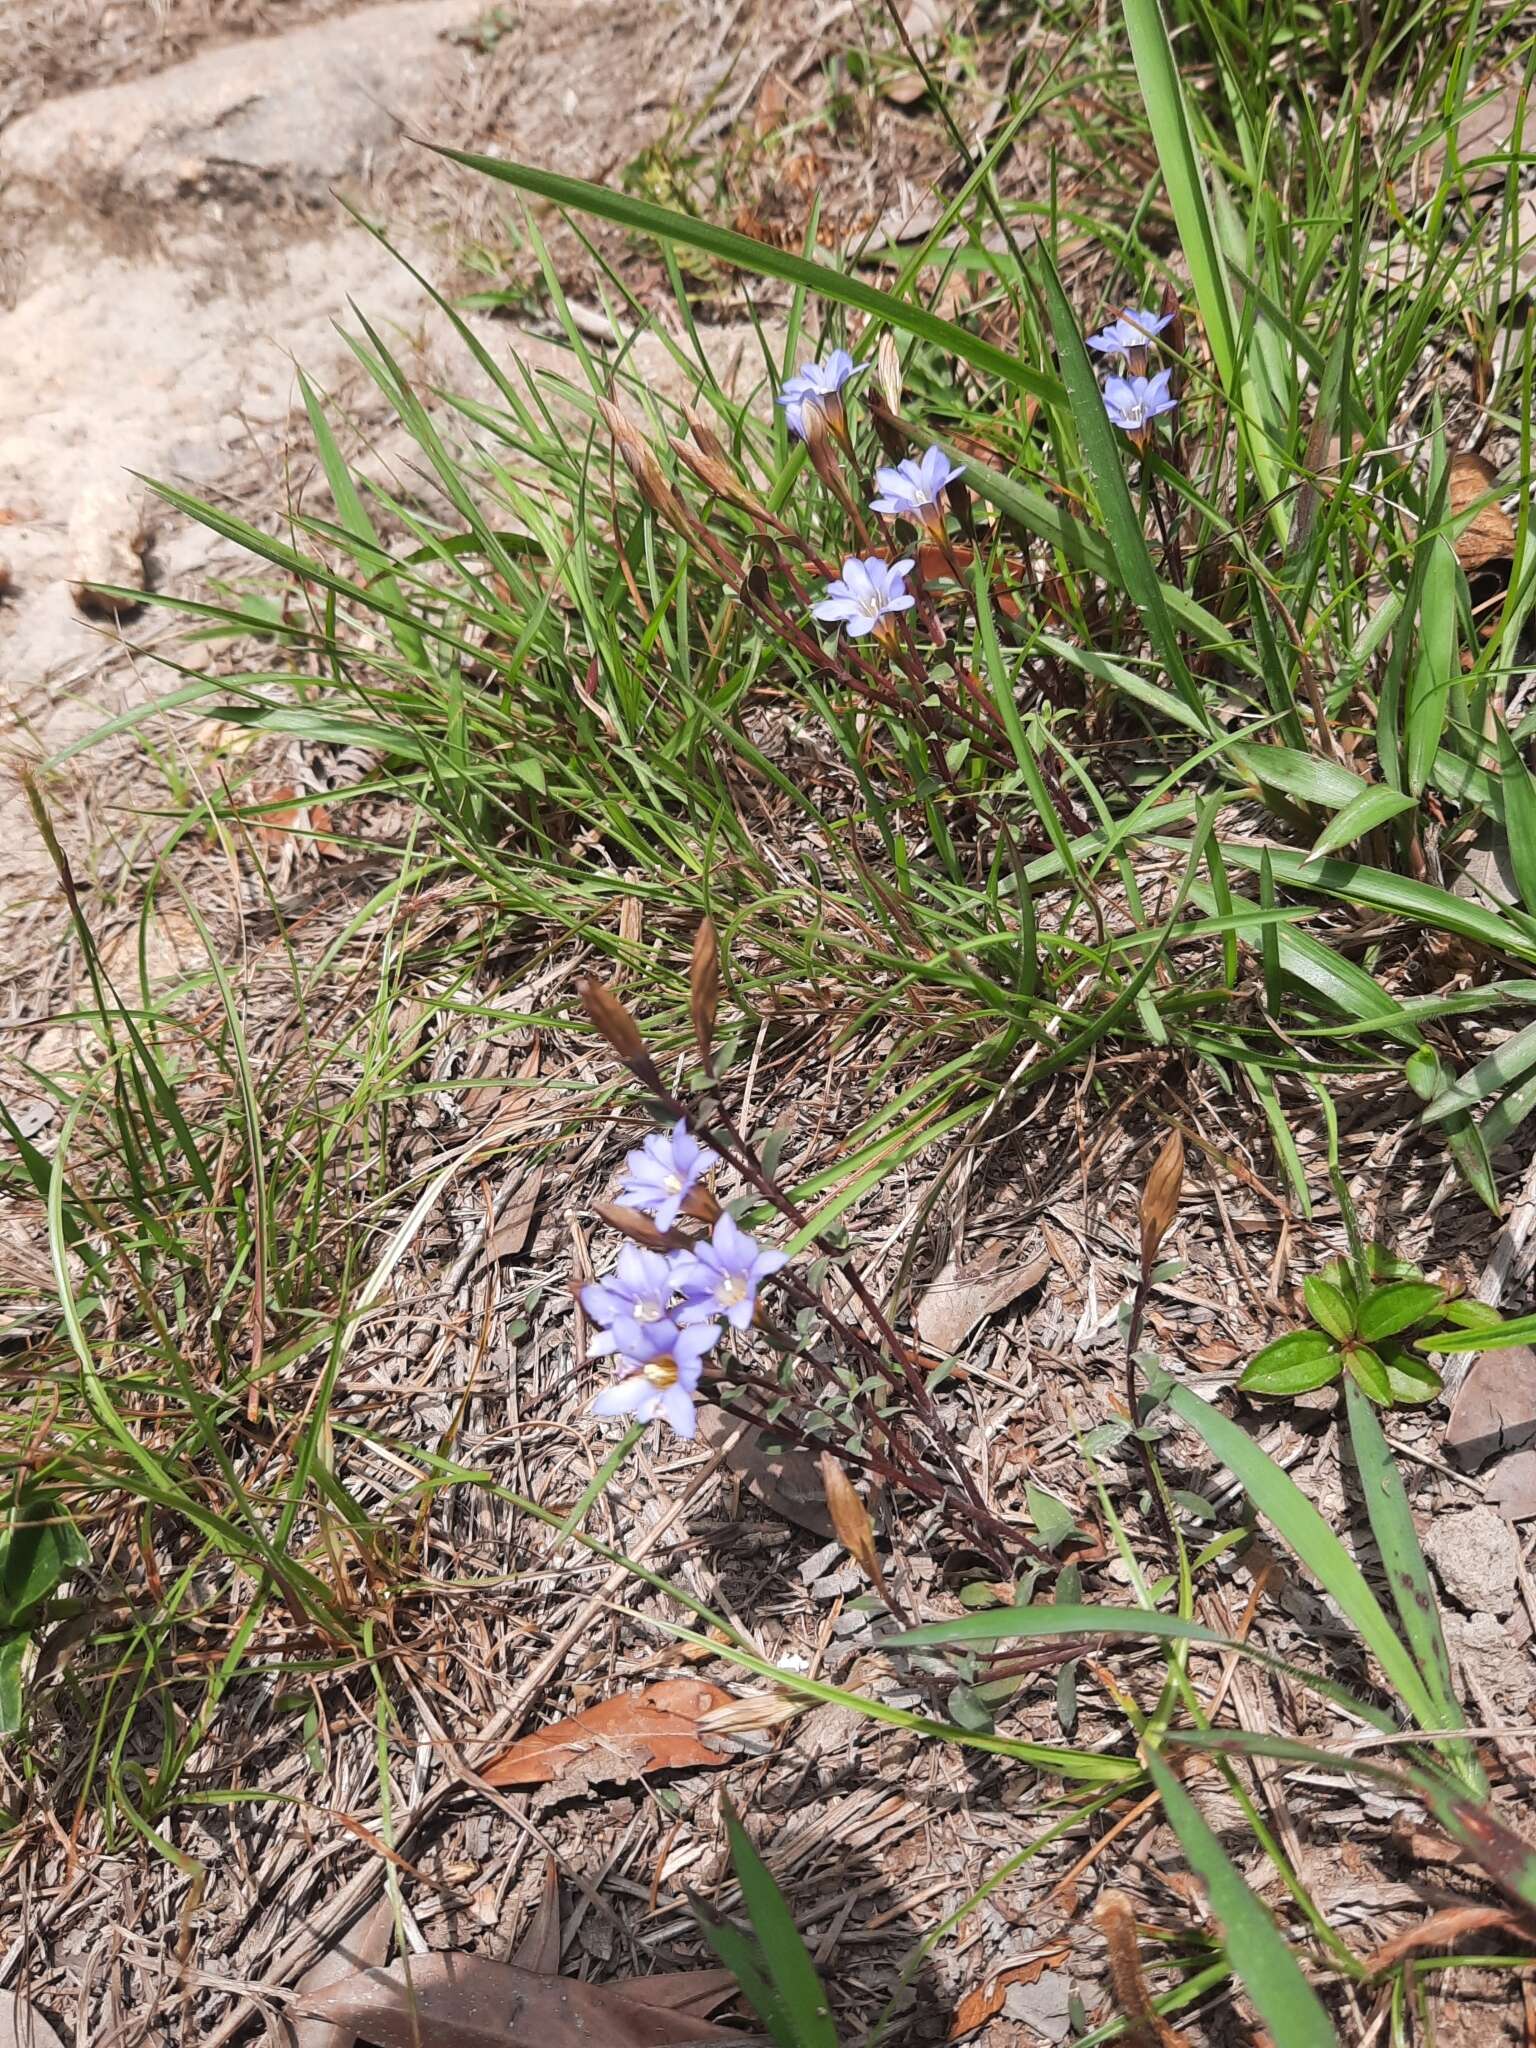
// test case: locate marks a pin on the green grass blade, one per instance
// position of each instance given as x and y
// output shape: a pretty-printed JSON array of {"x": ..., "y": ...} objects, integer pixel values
[
  {"x": 1277, "y": 1497},
  {"x": 1413, "y": 1594},
  {"x": 762, "y": 260},
  {"x": 794, "y": 2009},
  {"x": 1254, "y": 1945}
]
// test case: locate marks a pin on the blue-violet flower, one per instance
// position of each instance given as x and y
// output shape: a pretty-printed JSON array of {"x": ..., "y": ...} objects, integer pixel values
[
  {"x": 1134, "y": 402},
  {"x": 640, "y": 1288},
  {"x": 660, "y": 1366},
  {"x": 866, "y": 594},
  {"x": 818, "y": 387},
  {"x": 720, "y": 1275},
  {"x": 913, "y": 489},
  {"x": 1133, "y": 327},
  {"x": 662, "y": 1173}
]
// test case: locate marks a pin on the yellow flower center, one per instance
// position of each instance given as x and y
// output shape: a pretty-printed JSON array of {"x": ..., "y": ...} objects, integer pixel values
[
  {"x": 673, "y": 1183},
  {"x": 662, "y": 1372}
]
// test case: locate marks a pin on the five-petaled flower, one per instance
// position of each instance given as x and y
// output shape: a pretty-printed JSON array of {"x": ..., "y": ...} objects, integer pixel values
[
  {"x": 914, "y": 488},
  {"x": 1134, "y": 402},
  {"x": 662, "y": 1173},
  {"x": 1132, "y": 327},
  {"x": 638, "y": 1290},
  {"x": 866, "y": 595},
  {"x": 720, "y": 1276},
  {"x": 660, "y": 1366},
  {"x": 818, "y": 387}
]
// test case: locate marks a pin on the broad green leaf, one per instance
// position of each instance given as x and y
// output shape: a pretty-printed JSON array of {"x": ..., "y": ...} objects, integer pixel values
[
  {"x": 796, "y": 2012},
  {"x": 1010, "y": 1624},
  {"x": 1435, "y": 667},
  {"x": 1518, "y": 790},
  {"x": 1281, "y": 1502},
  {"x": 40, "y": 1547},
  {"x": 1327, "y": 1307},
  {"x": 1310, "y": 778},
  {"x": 1412, "y": 1380},
  {"x": 1387, "y": 1310},
  {"x": 1255, "y": 1948},
  {"x": 1365, "y": 1367},
  {"x": 1293, "y": 1364},
  {"x": 1375, "y": 805}
]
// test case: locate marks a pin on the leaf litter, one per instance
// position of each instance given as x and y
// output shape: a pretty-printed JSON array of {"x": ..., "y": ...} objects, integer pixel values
[{"x": 656, "y": 1729}]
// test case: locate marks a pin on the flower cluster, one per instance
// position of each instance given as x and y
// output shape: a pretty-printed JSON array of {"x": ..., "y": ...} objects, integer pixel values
[
  {"x": 658, "y": 1314},
  {"x": 1134, "y": 401},
  {"x": 816, "y": 393}
]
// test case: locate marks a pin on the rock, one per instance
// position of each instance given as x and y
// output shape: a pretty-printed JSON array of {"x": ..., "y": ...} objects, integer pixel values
[
  {"x": 293, "y": 113},
  {"x": 106, "y": 546},
  {"x": 1475, "y": 1553},
  {"x": 1495, "y": 1409}
]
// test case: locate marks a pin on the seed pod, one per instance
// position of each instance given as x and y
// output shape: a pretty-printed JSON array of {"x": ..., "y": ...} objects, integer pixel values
[
  {"x": 888, "y": 371},
  {"x": 611, "y": 1019},
  {"x": 850, "y": 1521},
  {"x": 704, "y": 433},
  {"x": 704, "y": 991},
  {"x": 1160, "y": 1199},
  {"x": 1115, "y": 1918},
  {"x": 640, "y": 461},
  {"x": 637, "y": 1226}
]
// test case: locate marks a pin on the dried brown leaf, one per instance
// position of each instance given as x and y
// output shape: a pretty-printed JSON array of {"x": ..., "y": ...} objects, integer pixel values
[
  {"x": 465, "y": 2001},
  {"x": 539, "y": 1949},
  {"x": 23, "y": 2026},
  {"x": 704, "y": 990},
  {"x": 989, "y": 1997},
  {"x": 655, "y": 1729},
  {"x": 514, "y": 1226},
  {"x": 786, "y": 1480},
  {"x": 1443, "y": 1929},
  {"x": 960, "y": 1297},
  {"x": 1494, "y": 1409},
  {"x": 1490, "y": 537},
  {"x": 1511, "y": 1486},
  {"x": 1160, "y": 1199},
  {"x": 359, "y": 1948}
]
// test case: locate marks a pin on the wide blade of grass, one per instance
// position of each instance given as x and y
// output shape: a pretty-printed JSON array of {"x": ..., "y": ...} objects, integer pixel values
[{"x": 1254, "y": 1945}]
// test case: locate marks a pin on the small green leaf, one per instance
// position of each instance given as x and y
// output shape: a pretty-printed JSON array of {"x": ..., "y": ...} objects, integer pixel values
[
  {"x": 1412, "y": 1380},
  {"x": 41, "y": 1547},
  {"x": 1362, "y": 815},
  {"x": 1293, "y": 1364},
  {"x": 1053, "y": 1522},
  {"x": 1397, "y": 1306},
  {"x": 12, "y": 1650},
  {"x": 1367, "y": 1368},
  {"x": 1327, "y": 1307}
]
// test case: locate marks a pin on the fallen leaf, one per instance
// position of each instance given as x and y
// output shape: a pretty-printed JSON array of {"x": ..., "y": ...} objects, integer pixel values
[
  {"x": 464, "y": 2001},
  {"x": 655, "y": 1729},
  {"x": 514, "y": 1226},
  {"x": 1495, "y": 1409},
  {"x": 539, "y": 1948},
  {"x": 23, "y": 2026},
  {"x": 963, "y": 1296},
  {"x": 1511, "y": 1486},
  {"x": 786, "y": 1480},
  {"x": 989, "y": 1998},
  {"x": 1491, "y": 535},
  {"x": 360, "y": 1948}
]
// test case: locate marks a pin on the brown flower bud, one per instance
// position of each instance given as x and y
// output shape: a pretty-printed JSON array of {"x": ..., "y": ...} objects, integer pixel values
[
  {"x": 611, "y": 1019},
  {"x": 888, "y": 371},
  {"x": 640, "y": 461},
  {"x": 704, "y": 433},
  {"x": 704, "y": 990},
  {"x": 1160, "y": 1199},
  {"x": 636, "y": 1225}
]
